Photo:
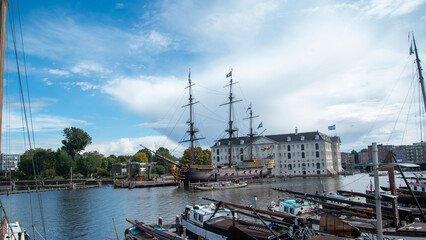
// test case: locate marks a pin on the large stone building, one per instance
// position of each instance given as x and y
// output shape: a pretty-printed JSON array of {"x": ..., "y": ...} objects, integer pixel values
[{"x": 308, "y": 153}]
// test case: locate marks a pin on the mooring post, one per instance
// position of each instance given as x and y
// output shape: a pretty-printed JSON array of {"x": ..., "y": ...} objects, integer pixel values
[{"x": 160, "y": 221}]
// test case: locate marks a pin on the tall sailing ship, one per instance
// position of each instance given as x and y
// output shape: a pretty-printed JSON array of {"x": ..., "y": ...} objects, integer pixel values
[{"x": 251, "y": 168}]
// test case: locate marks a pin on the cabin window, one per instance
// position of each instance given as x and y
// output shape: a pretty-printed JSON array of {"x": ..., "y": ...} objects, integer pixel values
[
  {"x": 292, "y": 210},
  {"x": 286, "y": 209},
  {"x": 200, "y": 218}
]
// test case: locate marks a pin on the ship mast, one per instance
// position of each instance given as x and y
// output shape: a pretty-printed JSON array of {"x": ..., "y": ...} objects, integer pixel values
[
  {"x": 3, "y": 12},
  {"x": 230, "y": 129},
  {"x": 419, "y": 69},
  {"x": 192, "y": 130},
  {"x": 251, "y": 135}
]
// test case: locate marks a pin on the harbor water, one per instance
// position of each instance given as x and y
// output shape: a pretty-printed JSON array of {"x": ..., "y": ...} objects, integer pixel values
[{"x": 91, "y": 213}]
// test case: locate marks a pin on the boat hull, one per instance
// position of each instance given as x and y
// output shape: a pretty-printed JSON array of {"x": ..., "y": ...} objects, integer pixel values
[
  {"x": 219, "y": 187},
  {"x": 217, "y": 174}
]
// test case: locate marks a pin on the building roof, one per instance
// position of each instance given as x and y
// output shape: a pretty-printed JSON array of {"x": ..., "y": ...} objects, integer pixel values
[{"x": 294, "y": 137}]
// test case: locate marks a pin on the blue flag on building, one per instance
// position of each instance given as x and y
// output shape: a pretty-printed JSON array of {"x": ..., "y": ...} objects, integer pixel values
[
  {"x": 260, "y": 125},
  {"x": 332, "y": 127}
]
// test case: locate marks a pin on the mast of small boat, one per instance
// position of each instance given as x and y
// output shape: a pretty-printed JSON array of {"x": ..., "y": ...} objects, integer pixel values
[
  {"x": 377, "y": 192},
  {"x": 230, "y": 129},
  {"x": 419, "y": 70},
  {"x": 3, "y": 12},
  {"x": 192, "y": 130}
]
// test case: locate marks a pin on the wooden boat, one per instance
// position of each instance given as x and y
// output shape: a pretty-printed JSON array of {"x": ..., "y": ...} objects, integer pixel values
[
  {"x": 220, "y": 185},
  {"x": 140, "y": 231},
  {"x": 295, "y": 207}
]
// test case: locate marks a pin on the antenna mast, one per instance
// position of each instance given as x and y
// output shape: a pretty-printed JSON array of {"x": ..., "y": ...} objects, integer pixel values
[{"x": 419, "y": 69}]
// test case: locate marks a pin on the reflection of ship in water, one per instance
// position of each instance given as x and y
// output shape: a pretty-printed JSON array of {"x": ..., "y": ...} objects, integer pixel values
[{"x": 251, "y": 168}]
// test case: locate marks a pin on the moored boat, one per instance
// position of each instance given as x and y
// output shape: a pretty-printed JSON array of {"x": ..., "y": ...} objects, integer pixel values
[{"x": 220, "y": 185}]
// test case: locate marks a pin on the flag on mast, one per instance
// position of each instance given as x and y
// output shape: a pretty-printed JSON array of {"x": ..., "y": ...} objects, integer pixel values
[
  {"x": 229, "y": 74},
  {"x": 249, "y": 107},
  {"x": 332, "y": 127},
  {"x": 260, "y": 125}
]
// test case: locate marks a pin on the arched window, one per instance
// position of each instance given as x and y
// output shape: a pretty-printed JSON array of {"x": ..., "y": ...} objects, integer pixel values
[
  {"x": 288, "y": 148},
  {"x": 316, "y": 146},
  {"x": 302, "y": 147},
  {"x": 290, "y": 167},
  {"x": 289, "y": 155}
]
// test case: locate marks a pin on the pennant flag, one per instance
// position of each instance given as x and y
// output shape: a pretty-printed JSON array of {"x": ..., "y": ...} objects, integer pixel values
[
  {"x": 332, "y": 127},
  {"x": 260, "y": 125},
  {"x": 229, "y": 74},
  {"x": 411, "y": 49},
  {"x": 249, "y": 108}
]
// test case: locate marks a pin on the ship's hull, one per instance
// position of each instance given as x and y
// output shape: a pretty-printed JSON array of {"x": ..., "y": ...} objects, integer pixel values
[{"x": 218, "y": 174}]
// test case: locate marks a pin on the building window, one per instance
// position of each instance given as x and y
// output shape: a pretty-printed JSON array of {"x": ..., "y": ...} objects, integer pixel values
[
  {"x": 218, "y": 159},
  {"x": 302, "y": 147},
  {"x": 290, "y": 167},
  {"x": 319, "y": 165},
  {"x": 316, "y": 146},
  {"x": 217, "y": 151},
  {"x": 303, "y": 155},
  {"x": 289, "y": 155},
  {"x": 317, "y": 154},
  {"x": 288, "y": 148},
  {"x": 241, "y": 150},
  {"x": 241, "y": 157}
]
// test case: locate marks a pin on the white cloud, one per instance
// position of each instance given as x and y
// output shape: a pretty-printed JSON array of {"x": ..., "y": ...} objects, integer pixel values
[
  {"x": 130, "y": 146},
  {"x": 87, "y": 68},
  {"x": 86, "y": 86},
  {"x": 392, "y": 8},
  {"x": 58, "y": 72},
  {"x": 119, "y": 5}
]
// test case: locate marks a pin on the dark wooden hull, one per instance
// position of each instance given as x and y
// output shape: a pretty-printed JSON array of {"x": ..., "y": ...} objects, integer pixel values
[{"x": 218, "y": 174}]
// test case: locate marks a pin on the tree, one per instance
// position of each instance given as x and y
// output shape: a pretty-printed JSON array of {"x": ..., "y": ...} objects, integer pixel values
[
  {"x": 64, "y": 162},
  {"x": 89, "y": 162},
  {"x": 201, "y": 157},
  {"x": 356, "y": 157},
  {"x": 165, "y": 153},
  {"x": 44, "y": 161},
  {"x": 140, "y": 157},
  {"x": 159, "y": 169},
  {"x": 75, "y": 140}
]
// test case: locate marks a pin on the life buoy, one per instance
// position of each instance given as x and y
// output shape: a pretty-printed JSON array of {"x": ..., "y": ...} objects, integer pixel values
[{"x": 273, "y": 204}]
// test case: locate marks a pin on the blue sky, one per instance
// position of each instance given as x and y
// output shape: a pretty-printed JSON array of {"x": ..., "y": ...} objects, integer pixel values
[{"x": 118, "y": 70}]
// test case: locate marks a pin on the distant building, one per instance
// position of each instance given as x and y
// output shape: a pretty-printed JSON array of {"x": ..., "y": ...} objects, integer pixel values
[
  {"x": 383, "y": 151},
  {"x": 9, "y": 162},
  {"x": 363, "y": 158},
  {"x": 416, "y": 153},
  {"x": 308, "y": 153},
  {"x": 348, "y": 160},
  {"x": 131, "y": 167}
]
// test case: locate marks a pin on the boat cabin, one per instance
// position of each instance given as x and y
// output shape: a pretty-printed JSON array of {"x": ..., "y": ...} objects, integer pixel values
[
  {"x": 198, "y": 214},
  {"x": 295, "y": 206}
]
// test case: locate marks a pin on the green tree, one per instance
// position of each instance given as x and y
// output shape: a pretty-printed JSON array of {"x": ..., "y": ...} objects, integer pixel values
[
  {"x": 112, "y": 159},
  {"x": 159, "y": 169},
  {"x": 89, "y": 162},
  {"x": 165, "y": 153},
  {"x": 75, "y": 140},
  {"x": 356, "y": 157},
  {"x": 201, "y": 157},
  {"x": 44, "y": 161},
  {"x": 140, "y": 157},
  {"x": 64, "y": 162}
]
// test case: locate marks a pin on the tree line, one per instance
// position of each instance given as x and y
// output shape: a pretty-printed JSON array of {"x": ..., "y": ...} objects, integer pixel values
[{"x": 50, "y": 164}]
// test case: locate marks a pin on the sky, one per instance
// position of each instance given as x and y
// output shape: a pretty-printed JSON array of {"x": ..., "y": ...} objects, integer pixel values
[{"x": 119, "y": 71}]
